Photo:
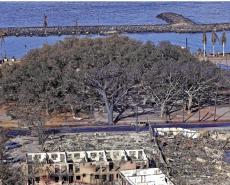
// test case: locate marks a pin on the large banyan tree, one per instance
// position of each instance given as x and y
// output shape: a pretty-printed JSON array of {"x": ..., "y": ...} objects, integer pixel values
[{"x": 115, "y": 73}]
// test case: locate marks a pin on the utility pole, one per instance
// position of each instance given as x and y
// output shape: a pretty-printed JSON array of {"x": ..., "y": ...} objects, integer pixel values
[
  {"x": 183, "y": 106},
  {"x": 98, "y": 29},
  {"x": 76, "y": 27},
  {"x": 45, "y": 23},
  {"x": 199, "y": 108},
  {"x": 137, "y": 119},
  {"x": 215, "y": 105}
]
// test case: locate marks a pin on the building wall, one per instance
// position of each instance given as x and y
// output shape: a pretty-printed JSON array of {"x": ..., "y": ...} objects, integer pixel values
[
  {"x": 143, "y": 176},
  {"x": 91, "y": 167}
]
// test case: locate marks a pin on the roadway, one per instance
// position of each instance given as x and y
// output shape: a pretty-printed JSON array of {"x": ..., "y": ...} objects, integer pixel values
[{"x": 121, "y": 128}]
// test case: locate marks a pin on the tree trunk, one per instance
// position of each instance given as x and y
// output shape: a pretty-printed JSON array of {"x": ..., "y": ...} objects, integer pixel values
[
  {"x": 162, "y": 110},
  {"x": 213, "y": 50},
  {"x": 223, "y": 49},
  {"x": 110, "y": 115},
  {"x": 189, "y": 104},
  {"x": 109, "y": 109},
  {"x": 47, "y": 109},
  {"x": 204, "y": 50},
  {"x": 72, "y": 111}
]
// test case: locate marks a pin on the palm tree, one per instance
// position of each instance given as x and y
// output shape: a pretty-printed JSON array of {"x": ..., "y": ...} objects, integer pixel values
[
  {"x": 214, "y": 39},
  {"x": 2, "y": 42},
  {"x": 223, "y": 40},
  {"x": 204, "y": 41}
]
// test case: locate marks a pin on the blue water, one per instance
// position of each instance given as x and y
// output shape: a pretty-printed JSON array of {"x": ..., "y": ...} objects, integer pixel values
[{"x": 93, "y": 13}]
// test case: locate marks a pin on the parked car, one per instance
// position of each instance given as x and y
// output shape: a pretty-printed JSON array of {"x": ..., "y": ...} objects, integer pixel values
[
  {"x": 12, "y": 145},
  {"x": 12, "y": 160}
]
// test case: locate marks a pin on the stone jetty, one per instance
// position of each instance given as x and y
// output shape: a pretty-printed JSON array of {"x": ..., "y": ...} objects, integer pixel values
[{"x": 175, "y": 23}]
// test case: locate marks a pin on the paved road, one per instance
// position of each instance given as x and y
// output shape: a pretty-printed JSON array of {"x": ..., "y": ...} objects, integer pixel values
[{"x": 121, "y": 128}]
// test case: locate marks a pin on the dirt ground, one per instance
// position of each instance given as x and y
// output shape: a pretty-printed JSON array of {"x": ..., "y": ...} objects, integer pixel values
[{"x": 66, "y": 119}]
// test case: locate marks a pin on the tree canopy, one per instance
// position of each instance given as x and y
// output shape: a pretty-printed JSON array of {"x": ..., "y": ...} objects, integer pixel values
[{"x": 114, "y": 73}]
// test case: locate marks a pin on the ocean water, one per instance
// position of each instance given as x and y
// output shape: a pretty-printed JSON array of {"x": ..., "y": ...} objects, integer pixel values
[{"x": 94, "y": 13}]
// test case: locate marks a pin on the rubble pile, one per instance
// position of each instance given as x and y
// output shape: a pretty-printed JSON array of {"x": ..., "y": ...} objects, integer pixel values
[
  {"x": 195, "y": 161},
  {"x": 99, "y": 141},
  {"x": 186, "y": 160}
]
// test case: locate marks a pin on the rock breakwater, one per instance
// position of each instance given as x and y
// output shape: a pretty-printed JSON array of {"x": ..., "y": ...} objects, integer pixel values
[{"x": 175, "y": 23}]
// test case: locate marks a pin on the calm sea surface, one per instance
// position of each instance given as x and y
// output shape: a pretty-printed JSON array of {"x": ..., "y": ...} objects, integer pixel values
[{"x": 93, "y": 13}]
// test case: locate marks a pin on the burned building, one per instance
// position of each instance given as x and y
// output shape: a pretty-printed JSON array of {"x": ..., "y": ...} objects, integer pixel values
[
  {"x": 150, "y": 176},
  {"x": 87, "y": 167}
]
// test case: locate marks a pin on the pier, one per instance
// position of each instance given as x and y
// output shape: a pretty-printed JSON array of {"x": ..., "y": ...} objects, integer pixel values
[{"x": 174, "y": 23}]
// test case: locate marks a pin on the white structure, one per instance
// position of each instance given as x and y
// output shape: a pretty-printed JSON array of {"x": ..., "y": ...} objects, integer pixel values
[
  {"x": 116, "y": 155},
  {"x": 88, "y": 156},
  {"x": 76, "y": 157},
  {"x": 150, "y": 176},
  {"x": 136, "y": 154},
  {"x": 96, "y": 155},
  {"x": 38, "y": 157},
  {"x": 175, "y": 131},
  {"x": 55, "y": 157}
]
